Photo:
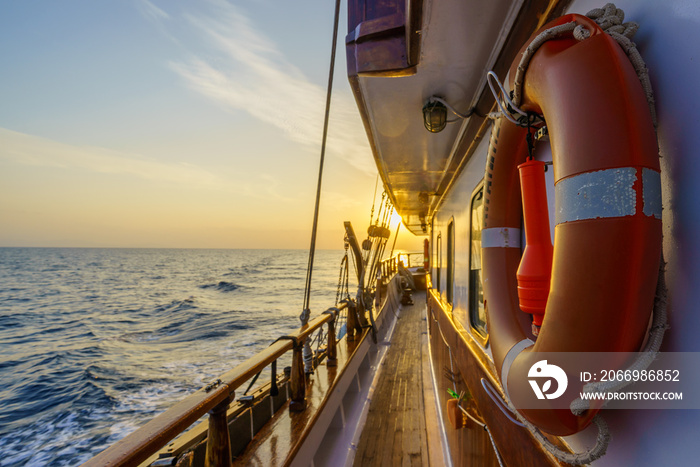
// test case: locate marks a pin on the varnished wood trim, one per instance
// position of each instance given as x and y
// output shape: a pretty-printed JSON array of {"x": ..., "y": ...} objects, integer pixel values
[
  {"x": 515, "y": 444},
  {"x": 253, "y": 365},
  {"x": 155, "y": 434},
  {"x": 218, "y": 444},
  {"x": 365, "y": 336},
  {"x": 297, "y": 382},
  {"x": 139, "y": 445}
]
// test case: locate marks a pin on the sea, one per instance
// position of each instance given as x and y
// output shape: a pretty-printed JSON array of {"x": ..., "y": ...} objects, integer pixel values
[{"x": 95, "y": 342}]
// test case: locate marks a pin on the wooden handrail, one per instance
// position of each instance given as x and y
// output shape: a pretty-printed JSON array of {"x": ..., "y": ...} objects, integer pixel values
[
  {"x": 139, "y": 445},
  {"x": 390, "y": 265}
]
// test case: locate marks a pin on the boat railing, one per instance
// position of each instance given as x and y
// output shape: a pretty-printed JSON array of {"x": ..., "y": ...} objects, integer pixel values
[
  {"x": 409, "y": 260},
  {"x": 412, "y": 262},
  {"x": 215, "y": 398}
]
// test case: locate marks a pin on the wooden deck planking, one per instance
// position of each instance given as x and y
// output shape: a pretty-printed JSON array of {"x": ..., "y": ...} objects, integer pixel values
[{"x": 395, "y": 430}]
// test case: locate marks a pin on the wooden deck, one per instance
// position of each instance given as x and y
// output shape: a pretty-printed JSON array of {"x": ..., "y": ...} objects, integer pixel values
[
  {"x": 322, "y": 434},
  {"x": 403, "y": 404}
]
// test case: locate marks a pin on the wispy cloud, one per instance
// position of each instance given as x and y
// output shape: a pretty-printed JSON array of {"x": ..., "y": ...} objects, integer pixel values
[
  {"x": 151, "y": 11},
  {"x": 33, "y": 150},
  {"x": 24, "y": 149},
  {"x": 157, "y": 16},
  {"x": 250, "y": 74}
]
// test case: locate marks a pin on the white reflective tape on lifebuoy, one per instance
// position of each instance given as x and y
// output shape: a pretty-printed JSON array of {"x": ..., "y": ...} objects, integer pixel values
[
  {"x": 606, "y": 194},
  {"x": 510, "y": 358},
  {"x": 651, "y": 193},
  {"x": 593, "y": 195}
]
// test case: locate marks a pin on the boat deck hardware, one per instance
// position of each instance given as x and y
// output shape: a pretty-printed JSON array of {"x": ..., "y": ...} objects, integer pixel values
[
  {"x": 164, "y": 461},
  {"x": 246, "y": 399},
  {"x": 212, "y": 385}
]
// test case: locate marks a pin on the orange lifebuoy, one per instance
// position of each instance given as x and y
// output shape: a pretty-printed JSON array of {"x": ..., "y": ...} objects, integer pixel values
[{"x": 607, "y": 239}]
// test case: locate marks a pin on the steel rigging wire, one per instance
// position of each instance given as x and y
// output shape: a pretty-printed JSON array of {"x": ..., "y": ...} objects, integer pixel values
[{"x": 312, "y": 248}]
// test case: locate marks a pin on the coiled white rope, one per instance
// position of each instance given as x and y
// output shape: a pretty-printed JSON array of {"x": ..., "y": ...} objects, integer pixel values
[
  {"x": 610, "y": 19},
  {"x": 544, "y": 36}
]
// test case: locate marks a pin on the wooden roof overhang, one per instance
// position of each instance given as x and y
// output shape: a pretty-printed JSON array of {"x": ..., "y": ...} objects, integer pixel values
[{"x": 402, "y": 52}]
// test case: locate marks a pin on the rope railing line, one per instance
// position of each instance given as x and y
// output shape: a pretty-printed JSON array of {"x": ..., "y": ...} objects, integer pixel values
[{"x": 158, "y": 432}]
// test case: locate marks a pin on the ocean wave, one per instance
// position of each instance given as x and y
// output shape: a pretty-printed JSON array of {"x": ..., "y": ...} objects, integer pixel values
[
  {"x": 222, "y": 286},
  {"x": 96, "y": 350},
  {"x": 9, "y": 321},
  {"x": 68, "y": 432},
  {"x": 287, "y": 277},
  {"x": 178, "y": 305},
  {"x": 147, "y": 336}
]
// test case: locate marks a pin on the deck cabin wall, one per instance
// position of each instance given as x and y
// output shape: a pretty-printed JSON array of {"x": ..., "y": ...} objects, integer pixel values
[
  {"x": 667, "y": 39},
  {"x": 455, "y": 209}
]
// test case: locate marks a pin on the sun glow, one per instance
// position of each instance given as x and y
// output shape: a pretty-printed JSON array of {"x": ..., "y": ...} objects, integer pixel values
[{"x": 395, "y": 220}]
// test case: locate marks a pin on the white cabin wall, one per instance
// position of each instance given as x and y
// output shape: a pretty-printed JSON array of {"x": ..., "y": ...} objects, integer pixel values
[{"x": 456, "y": 206}]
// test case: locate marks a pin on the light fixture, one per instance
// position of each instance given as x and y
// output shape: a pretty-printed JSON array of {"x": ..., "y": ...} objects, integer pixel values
[
  {"x": 423, "y": 223},
  {"x": 434, "y": 116}
]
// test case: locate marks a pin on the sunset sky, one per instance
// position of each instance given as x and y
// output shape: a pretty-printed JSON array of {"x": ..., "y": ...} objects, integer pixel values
[{"x": 176, "y": 124}]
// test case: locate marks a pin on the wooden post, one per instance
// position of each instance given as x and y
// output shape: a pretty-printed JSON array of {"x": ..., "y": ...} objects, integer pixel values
[
  {"x": 218, "y": 441},
  {"x": 297, "y": 383},
  {"x": 362, "y": 316},
  {"x": 351, "y": 323},
  {"x": 186, "y": 460},
  {"x": 332, "y": 359}
]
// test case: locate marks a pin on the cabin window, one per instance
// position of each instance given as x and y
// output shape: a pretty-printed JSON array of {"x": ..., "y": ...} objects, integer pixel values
[
  {"x": 439, "y": 261},
  {"x": 433, "y": 250},
  {"x": 449, "y": 287},
  {"x": 476, "y": 291}
]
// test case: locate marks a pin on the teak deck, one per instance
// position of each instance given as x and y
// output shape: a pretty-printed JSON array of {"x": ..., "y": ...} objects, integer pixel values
[
  {"x": 395, "y": 431},
  {"x": 277, "y": 441}
]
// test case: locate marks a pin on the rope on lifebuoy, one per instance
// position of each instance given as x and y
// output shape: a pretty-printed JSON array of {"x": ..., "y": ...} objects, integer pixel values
[
  {"x": 544, "y": 36},
  {"x": 610, "y": 19}
]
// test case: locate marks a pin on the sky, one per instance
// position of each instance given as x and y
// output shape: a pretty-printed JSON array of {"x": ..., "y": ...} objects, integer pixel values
[{"x": 176, "y": 124}]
